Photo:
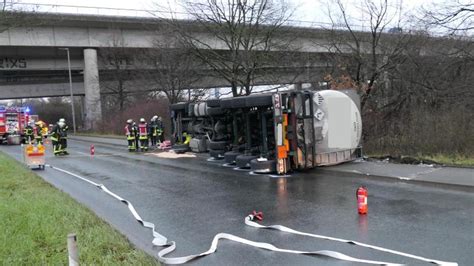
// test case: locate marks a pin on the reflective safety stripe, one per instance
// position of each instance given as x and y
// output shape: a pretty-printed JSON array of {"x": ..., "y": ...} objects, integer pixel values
[{"x": 170, "y": 246}]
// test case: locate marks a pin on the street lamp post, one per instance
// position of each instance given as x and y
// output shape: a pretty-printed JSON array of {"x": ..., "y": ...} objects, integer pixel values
[{"x": 70, "y": 89}]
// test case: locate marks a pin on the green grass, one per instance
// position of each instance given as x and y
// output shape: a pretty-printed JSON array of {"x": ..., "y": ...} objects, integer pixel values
[
  {"x": 453, "y": 160},
  {"x": 448, "y": 160},
  {"x": 35, "y": 219}
]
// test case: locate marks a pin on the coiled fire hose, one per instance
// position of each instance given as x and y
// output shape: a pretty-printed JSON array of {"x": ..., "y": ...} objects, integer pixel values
[{"x": 170, "y": 246}]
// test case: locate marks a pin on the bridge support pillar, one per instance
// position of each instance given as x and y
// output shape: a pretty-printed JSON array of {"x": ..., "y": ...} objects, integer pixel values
[{"x": 92, "y": 104}]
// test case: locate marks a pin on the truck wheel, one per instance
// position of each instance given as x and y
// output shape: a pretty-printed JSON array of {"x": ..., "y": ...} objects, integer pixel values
[
  {"x": 216, "y": 154},
  {"x": 217, "y": 145},
  {"x": 230, "y": 156},
  {"x": 243, "y": 161},
  {"x": 263, "y": 167},
  {"x": 180, "y": 148}
]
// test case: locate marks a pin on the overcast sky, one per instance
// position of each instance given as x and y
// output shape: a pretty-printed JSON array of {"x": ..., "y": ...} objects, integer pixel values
[{"x": 306, "y": 10}]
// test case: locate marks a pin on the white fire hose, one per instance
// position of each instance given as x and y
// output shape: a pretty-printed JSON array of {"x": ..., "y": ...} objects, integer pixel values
[{"x": 169, "y": 246}]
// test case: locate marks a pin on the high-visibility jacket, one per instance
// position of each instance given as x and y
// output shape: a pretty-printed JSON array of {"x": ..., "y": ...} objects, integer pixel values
[
  {"x": 153, "y": 129},
  {"x": 187, "y": 138},
  {"x": 143, "y": 130},
  {"x": 130, "y": 132},
  {"x": 28, "y": 131},
  {"x": 44, "y": 131},
  {"x": 58, "y": 132},
  {"x": 160, "y": 128}
]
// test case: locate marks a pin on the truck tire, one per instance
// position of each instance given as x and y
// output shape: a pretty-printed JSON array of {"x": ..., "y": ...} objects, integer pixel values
[
  {"x": 216, "y": 154},
  {"x": 263, "y": 167},
  {"x": 238, "y": 148},
  {"x": 180, "y": 148},
  {"x": 213, "y": 103},
  {"x": 243, "y": 161},
  {"x": 230, "y": 156},
  {"x": 217, "y": 145},
  {"x": 202, "y": 109}
]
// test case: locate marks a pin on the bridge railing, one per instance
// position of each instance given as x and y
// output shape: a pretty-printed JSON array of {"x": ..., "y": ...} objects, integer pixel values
[{"x": 144, "y": 13}]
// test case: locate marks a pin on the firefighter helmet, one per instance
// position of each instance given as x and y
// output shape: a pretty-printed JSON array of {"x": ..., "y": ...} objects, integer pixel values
[{"x": 62, "y": 122}]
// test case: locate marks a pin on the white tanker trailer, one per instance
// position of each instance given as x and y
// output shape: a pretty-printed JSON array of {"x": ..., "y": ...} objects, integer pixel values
[{"x": 273, "y": 133}]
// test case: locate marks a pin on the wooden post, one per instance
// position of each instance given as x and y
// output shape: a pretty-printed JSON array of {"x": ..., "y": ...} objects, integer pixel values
[{"x": 72, "y": 250}]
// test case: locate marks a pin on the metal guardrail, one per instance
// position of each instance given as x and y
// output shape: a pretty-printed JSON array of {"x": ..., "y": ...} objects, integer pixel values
[{"x": 144, "y": 13}]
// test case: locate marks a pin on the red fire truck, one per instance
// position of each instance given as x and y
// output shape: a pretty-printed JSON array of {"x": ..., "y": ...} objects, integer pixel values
[{"x": 12, "y": 123}]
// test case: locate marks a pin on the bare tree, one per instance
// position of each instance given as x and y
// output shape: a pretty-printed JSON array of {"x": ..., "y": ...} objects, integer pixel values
[
  {"x": 12, "y": 16},
  {"x": 234, "y": 37},
  {"x": 171, "y": 69},
  {"x": 456, "y": 16},
  {"x": 7, "y": 16},
  {"x": 119, "y": 66},
  {"x": 365, "y": 56}
]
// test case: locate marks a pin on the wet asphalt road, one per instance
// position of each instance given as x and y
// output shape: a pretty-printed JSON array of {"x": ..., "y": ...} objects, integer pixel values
[{"x": 190, "y": 200}]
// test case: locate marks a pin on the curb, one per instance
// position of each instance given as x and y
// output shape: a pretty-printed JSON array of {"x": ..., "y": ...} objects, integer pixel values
[
  {"x": 78, "y": 138},
  {"x": 437, "y": 184}
]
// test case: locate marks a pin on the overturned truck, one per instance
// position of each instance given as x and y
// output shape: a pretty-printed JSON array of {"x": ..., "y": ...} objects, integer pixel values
[{"x": 272, "y": 133}]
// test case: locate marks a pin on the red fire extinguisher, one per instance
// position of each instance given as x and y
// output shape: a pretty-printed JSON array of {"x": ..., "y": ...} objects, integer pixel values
[
  {"x": 362, "y": 195},
  {"x": 92, "y": 149}
]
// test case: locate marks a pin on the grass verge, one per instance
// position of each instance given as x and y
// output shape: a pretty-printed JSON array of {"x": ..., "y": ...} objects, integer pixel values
[
  {"x": 35, "y": 219},
  {"x": 448, "y": 160}
]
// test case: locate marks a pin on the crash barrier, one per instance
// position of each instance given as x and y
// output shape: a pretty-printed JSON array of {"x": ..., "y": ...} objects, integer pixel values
[
  {"x": 169, "y": 246},
  {"x": 34, "y": 155}
]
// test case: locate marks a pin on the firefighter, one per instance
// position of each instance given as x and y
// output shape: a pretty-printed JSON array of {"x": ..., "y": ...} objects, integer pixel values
[
  {"x": 187, "y": 138},
  {"x": 161, "y": 130},
  {"x": 44, "y": 129},
  {"x": 59, "y": 137},
  {"x": 29, "y": 134},
  {"x": 143, "y": 134},
  {"x": 135, "y": 131},
  {"x": 37, "y": 130},
  {"x": 153, "y": 130},
  {"x": 131, "y": 133}
]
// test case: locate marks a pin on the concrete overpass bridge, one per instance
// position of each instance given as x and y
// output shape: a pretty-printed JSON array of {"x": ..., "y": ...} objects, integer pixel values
[{"x": 31, "y": 65}]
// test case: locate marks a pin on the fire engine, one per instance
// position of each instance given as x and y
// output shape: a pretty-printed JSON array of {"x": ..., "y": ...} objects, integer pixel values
[{"x": 12, "y": 123}]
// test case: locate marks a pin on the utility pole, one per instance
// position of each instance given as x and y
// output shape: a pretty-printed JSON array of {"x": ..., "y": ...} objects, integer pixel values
[{"x": 70, "y": 89}]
